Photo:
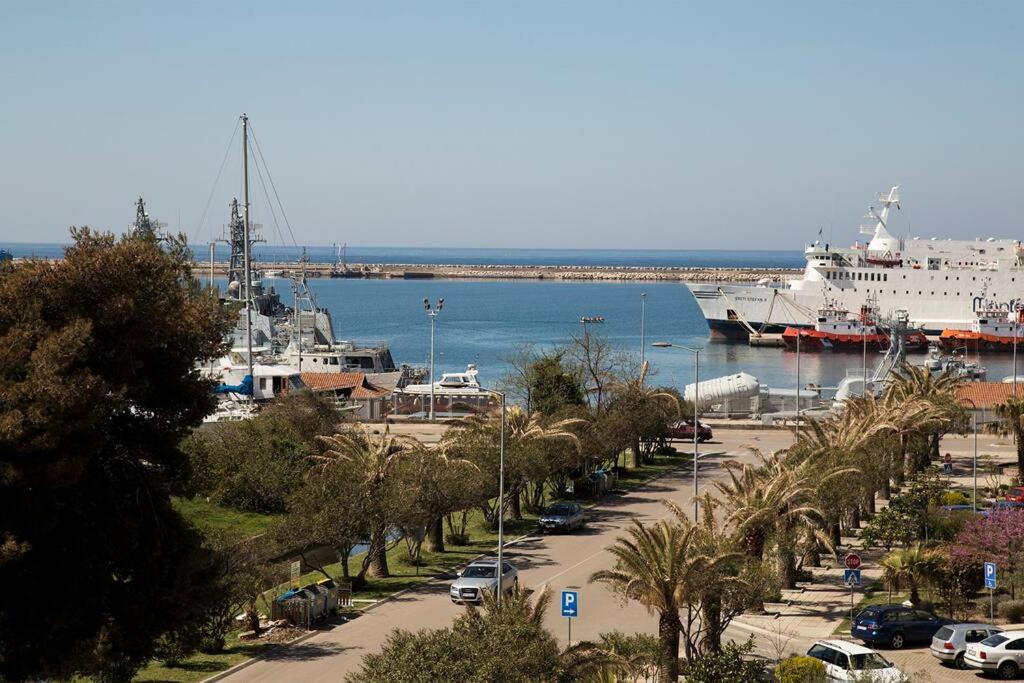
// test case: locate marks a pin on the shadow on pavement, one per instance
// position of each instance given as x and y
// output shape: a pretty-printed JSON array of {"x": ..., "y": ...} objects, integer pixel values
[{"x": 304, "y": 652}]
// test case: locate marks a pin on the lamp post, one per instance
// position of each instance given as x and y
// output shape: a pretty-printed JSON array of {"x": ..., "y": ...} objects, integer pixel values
[
  {"x": 864, "y": 360},
  {"x": 643, "y": 328},
  {"x": 798, "y": 335},
  {"x": 501, "y": 494},
  {"x": 1016, "y": 322},
  {"x": 696, "y": 399},
  {"x": 432, "y": 312}
]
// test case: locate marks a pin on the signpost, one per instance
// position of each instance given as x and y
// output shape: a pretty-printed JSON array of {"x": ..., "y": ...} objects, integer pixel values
[
  {"x": 990, "y": 584},
  {"x": 851, "y": 577},
  {"x": 570, "y": 608}
]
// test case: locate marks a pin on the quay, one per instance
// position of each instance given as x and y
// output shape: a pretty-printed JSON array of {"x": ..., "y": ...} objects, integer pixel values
[{"x": 513, "y": 272}]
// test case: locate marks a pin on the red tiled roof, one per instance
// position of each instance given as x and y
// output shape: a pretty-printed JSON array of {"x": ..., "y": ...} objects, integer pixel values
[
  {"x": 986, "y": 394},
  {"x": 332, "y": 381},
  {"x": 339, "y": 381}
]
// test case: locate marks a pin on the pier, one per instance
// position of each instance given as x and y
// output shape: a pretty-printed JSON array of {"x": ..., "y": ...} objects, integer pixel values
[{"x": 515, "y": 272}]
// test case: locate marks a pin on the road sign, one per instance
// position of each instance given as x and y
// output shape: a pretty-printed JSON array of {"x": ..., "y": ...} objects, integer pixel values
[
  {"x": 852, "y": 561},
  {"x": 851, "y": 577},
  {"x": 990, "y": 575},
  {"x": 570, "y": 604}
]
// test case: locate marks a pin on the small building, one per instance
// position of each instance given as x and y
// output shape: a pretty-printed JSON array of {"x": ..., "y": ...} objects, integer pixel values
[
  {"x": 981, "y": 398},
  {"x": 351, "y": 391}
]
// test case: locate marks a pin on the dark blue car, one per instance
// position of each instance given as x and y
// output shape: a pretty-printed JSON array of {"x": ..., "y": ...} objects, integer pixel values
[{"x": 896, "y": 625}]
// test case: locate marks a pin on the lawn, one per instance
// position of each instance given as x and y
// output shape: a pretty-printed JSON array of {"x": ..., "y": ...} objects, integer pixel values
[
  {"x": 403, "y": 574},
  {"x": 207, "y": 516}
]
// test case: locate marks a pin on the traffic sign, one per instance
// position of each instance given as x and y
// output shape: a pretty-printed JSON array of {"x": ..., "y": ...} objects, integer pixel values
[
  {"x": 570, "y": 604},
  {"x": 990, "y": 575},
  {"x": 852, "y": 561},
  {"x": 851, "y": 577}
]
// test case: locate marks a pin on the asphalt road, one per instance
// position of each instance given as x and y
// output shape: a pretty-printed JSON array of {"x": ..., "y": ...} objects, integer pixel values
[{"x": 557, "y": 562}]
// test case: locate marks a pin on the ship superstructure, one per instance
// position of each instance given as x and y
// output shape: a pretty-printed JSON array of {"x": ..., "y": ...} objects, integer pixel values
[{"x": 941, "y": 283}]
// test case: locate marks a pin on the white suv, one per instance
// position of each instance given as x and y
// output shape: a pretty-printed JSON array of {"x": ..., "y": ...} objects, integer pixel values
[
  {"x": 1002, "y": 653},
  {"x": 851, "y": 662},
  {"x": 480, "y": 577}
]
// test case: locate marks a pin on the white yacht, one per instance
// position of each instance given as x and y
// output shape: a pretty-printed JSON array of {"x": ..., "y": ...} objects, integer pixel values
[{"x": 941, "y": 283}]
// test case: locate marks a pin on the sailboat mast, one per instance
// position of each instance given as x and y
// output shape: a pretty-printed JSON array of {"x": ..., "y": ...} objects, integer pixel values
[{"x": 248, "y": 244}]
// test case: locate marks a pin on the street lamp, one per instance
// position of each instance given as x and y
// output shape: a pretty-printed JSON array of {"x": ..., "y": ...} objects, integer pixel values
[
  {"x": 643, "y": 328},
  {"x": 432, "y": 312},
  {"x": 696, "y": 397},
  {"x": 501, "y": 493}
]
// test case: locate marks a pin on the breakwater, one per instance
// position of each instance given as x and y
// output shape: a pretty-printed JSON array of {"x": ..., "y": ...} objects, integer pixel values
[{"x": 518, "y": 272}]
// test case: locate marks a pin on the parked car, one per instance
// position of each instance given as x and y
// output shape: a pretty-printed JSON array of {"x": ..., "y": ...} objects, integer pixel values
[
  {"x": 1003, "y": 505},
  {"x": 1001, "y": 654},
  {"x": 481, "y": 576},
  {"x": 950, "y": 642},
  {"x": 846, "y": 661},
  {"x": 683, "y": 431},
  {"x": 1016, "y": 494},
  {"x": 896, "y": 625},
  {"x": 562, "y": 517}
]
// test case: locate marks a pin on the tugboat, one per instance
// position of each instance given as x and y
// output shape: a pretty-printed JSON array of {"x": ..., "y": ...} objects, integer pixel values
[
  {"x": 835, "y": 330},
  {"x": 993, "y": 329}
]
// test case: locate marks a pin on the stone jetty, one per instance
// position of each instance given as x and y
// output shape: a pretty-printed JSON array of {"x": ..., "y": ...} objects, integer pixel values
[{"x": 519, "y": 272}]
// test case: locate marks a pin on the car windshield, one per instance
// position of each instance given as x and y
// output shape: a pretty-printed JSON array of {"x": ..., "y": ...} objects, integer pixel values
[
  {"x": 995, "y": 641},
  {"x": 478, "y": 572},
  {"x": 868, "y": 661},
  {"x": 559, "y": 510}
]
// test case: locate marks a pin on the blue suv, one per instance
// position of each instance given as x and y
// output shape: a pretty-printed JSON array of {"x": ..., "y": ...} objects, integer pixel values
[{"x": 896, "y": 625}]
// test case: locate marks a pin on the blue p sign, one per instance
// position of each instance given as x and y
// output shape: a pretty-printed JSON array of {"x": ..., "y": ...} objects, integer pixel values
[
  {"x": 570, "y": 604},
  {"x": 990, "y": 575}
]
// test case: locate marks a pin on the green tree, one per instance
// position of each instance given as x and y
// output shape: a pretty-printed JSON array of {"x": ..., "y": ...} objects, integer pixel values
[
  {"x": 911, "y": 568},
  {"x": 99, "y": 386},
  {"x": 731, "y": 664},
  {"x": 1011, "y": 421}
]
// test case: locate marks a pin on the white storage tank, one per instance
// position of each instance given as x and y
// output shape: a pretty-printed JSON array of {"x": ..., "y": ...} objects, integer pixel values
[{"x": 722, "y": 389}]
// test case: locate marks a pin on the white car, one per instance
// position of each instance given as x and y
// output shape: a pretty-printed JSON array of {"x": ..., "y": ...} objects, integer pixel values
[
  {"x": 846, "y": 661},
  {"x": 482, "y": 576},
  {"x": 1001, "y": 654}
]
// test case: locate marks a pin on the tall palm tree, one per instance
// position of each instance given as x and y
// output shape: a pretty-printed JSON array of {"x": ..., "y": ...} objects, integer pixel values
[
  {"x": 912, "y": 384},
  {"x": 910, "y": 567},
  {"x": 374, "y": 457},
  {"x": 1011, "y": 421},
  {"x": 657, "y": 566}
]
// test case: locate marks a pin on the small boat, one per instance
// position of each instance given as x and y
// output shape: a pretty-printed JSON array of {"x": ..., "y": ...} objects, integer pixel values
[
  {"x": 457, "y": 383},
  {"x": 958, "y": 365},
  {"x": 835, "y": 330},
  {"x": 992, "y": 329}
]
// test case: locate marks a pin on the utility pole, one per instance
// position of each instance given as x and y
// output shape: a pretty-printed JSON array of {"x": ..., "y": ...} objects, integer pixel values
[{"x": 248, "y": 249}]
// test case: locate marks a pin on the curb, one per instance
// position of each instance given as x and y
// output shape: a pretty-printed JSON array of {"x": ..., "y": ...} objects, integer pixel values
[{"x": 252, "y": 660}]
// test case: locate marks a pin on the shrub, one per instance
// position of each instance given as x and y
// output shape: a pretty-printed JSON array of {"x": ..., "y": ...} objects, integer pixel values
[
  {"x": 1012, "y": 610},
  {"x": 954, "y": 498},
  {"x": 665, "y": 450},
  {"x": 801, "y": 670},
  {"x": 728, "y": 665}
]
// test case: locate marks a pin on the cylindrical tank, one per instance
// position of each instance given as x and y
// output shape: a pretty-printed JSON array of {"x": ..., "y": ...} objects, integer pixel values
[{"x": 721, "y": 389}]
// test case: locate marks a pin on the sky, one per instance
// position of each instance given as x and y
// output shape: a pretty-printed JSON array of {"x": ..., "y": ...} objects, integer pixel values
[{"x": 588, "y": 124}]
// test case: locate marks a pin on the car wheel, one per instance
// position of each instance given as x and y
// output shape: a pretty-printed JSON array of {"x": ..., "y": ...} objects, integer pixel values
[
  {"x": 958, "y": 661},
  {"x": 1007, "y": 671},
  {"x": 896, "y": 641}
]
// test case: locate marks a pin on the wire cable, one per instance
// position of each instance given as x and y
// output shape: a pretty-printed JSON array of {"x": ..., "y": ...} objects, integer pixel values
[{"x": 216, "y": 181}]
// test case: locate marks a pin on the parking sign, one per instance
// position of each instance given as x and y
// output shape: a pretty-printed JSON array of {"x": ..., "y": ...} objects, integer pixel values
[
  {"x": 990, "y": 575},
  {"x": 570, "y": 604}
]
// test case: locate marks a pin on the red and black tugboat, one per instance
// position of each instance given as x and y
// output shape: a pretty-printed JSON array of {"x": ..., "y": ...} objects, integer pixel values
[{"x": 836, "y": 330}]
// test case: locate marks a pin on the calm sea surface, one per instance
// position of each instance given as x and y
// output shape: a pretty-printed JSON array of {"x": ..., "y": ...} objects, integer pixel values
[{"x": 485, "y": 321}]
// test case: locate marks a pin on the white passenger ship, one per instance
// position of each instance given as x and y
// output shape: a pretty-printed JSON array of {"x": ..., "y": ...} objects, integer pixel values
[{"x": 940, "y": 283}]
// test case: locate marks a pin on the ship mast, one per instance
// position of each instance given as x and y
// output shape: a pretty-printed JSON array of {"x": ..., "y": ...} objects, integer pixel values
[{"x": 248, "y": 248}]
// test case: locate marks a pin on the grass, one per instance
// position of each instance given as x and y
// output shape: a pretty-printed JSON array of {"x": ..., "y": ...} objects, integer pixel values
[
  {"x": 404, "y": 575},
  {"x": 207, "y": 517},
  {"x": 200, "y": 666}
]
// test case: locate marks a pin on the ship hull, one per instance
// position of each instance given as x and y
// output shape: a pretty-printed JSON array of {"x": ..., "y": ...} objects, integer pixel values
[{"x": 730, "y": 308}]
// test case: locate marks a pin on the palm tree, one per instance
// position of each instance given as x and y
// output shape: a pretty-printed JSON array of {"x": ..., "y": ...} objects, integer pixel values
[
  {"x": 911, "y": 567},
  {"x": 912, "y": 384},
  {"x": 657, "y": 566},
  {"x": 374, "y": 457},
  {"x": 644, "y": 408},
  {"x": 1011, "y": 416}
]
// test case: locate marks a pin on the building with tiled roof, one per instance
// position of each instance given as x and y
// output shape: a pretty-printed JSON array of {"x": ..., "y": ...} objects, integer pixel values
[{"x": 351, "y": 391}]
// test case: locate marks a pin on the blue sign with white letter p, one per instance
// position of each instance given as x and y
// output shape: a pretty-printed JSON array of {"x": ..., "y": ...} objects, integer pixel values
[
  {"x": 990, "y": 575},
  {"x": 570, "y": 604}
]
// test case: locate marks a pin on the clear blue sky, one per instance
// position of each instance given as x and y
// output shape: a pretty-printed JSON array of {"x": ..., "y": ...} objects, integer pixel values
[{"x": 518, "y": 124}]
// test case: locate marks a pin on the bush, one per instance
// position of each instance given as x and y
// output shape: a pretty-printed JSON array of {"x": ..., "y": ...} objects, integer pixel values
[
  {"x": 1012, "y": 610},
  {"x": 728, "y": 665},
  {"x": 665, "y": 450},
  {"x": 801, "y": 670},
  {"x": 954, "y": 498}
]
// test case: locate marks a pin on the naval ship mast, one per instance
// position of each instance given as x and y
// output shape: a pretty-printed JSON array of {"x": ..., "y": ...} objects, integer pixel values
[
  {"x": 247, "y": 230},
  {"x": 144, "y": 226}
]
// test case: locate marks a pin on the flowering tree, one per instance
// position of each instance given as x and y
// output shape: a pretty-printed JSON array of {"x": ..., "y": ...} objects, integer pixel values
[{"x": 997, "y": 538}]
